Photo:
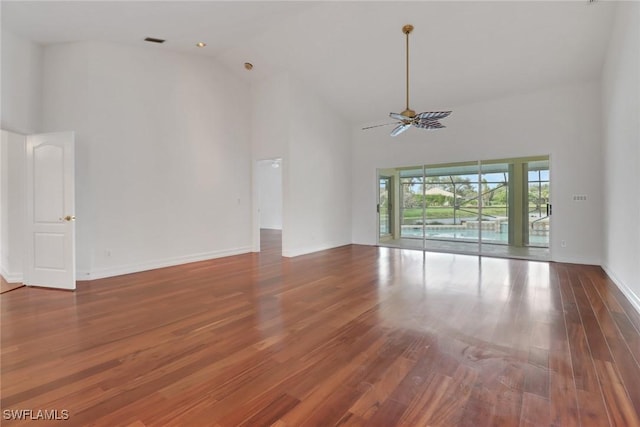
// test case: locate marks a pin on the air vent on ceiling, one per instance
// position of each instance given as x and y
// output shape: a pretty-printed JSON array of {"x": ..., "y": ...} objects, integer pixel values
[{"x": 154, "y": 40}]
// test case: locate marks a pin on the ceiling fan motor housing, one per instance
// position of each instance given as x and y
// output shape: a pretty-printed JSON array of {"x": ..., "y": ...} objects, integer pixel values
[{"x": 409, "y": 113}]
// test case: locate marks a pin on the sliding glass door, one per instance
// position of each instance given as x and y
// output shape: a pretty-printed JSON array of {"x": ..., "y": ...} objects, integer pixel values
[
  {"x": 412, "y": 203},
  {"x": 495, "y": 184},
  {"x": 539, "y": 208},
  {"x": 451, "y": 204},
  {"x": 496, "y": 207},
  {"x": 385, "y": 207}
]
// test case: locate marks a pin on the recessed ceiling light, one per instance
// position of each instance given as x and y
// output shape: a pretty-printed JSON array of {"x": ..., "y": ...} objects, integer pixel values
[
  {"x": 154, "y": 40},
  {"x": 201, "y": 44},
  {"x": 248, "y": 65}
]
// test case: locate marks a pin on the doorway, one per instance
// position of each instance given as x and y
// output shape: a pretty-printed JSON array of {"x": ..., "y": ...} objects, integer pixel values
[{"x": 268, "y": 175}]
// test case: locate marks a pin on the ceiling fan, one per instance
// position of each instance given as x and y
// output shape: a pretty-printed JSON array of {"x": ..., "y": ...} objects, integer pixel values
[{"x": 408, "y": 118}]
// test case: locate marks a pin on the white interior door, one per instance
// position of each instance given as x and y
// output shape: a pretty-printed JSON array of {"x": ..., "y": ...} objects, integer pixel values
[{"x": 50, "y": 245}]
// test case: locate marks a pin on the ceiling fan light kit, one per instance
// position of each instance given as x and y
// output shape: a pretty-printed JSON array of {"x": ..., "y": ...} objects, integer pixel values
[{"x": 428, "y": 120}]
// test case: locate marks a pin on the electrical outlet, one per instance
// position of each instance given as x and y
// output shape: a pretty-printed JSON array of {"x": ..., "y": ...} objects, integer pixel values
[{"x": 563, "y": 243}]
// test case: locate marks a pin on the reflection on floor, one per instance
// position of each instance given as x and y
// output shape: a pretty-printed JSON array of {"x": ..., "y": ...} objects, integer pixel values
[
  {"x": 471, "y": 248},
  {"x": 270, "y": 243}
]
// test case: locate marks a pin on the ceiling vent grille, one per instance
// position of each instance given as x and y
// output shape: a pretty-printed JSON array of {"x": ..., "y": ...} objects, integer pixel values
[{"x": 154, "y": 40}]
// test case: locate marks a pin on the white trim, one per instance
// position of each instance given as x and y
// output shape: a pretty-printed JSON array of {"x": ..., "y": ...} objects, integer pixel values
[
  {"x": 102, "y": 273},
  {"x": 577, "y": 260},
  {"x": 624, "y": 288},
  {"x": 311, "y": 249},
  {"x": 255, "y": 208},
  {"x": 12, "y": 277}
]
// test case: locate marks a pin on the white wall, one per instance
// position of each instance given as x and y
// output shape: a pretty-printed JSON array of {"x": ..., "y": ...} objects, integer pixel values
[
  {"x": 292, "y": 122},
  {"x": 163, "y": 166},
  {"x": 21, "y": 84},
  {"x": 65, "y": 107},
  {"x": 318, "y": 193},
  {"x": 563, "y": 122},
  {"x": 270, "y": 192},
  {"x": 270, "y": 109},
  {"x": 621, "y": 113},
  {"x": 12, "y": 211},
  {"x": 4, "y": 204}
]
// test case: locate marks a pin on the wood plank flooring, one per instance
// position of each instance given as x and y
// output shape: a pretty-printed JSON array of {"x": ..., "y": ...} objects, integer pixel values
[
  {"x": 353, "y": 336},
  {"x": 7, "y": 287}
]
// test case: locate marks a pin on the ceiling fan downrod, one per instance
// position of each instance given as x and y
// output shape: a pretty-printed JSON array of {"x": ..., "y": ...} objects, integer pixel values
[{"x": 408, "y": 112}]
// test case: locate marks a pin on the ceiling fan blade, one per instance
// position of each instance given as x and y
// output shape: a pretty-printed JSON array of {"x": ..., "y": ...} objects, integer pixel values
[
  {"x": 399, "y": 116},
  {"x": 377, "y": 126},
  {"x": 433, "y": 115},
  {"x": 400, "y": 128},
  {"x": 428, "y": 124}
]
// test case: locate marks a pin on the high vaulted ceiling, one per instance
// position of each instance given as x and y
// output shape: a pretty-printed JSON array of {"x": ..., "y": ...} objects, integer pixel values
[{"x": 352, "y": 53}]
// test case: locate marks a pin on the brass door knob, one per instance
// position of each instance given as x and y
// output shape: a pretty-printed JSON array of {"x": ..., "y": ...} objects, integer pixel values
[{"x": 70, "y": 218}]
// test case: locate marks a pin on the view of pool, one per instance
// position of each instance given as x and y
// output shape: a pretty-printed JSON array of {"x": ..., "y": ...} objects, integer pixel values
[{"x": 470, "y": 235}]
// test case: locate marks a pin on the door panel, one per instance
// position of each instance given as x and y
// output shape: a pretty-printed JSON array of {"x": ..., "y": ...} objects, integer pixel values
[
  {"x": 495, "y": 181},
  {"x": 49, "y": 250},
  {"x": 385, "y": 213},
  {"x": 50, "y": 224},
  {"x": 48, "y": 161},
  {"x": 539, "y": 209}
]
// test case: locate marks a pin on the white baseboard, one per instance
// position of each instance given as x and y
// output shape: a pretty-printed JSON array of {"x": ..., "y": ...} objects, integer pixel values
[
  {"x": 290, "y": 253},
  {"x": 12, "y": 277},
  {"x": 575, "y": 260},
  {"x": 101, "y": 273},
  {"x": 626, "y": 290}
]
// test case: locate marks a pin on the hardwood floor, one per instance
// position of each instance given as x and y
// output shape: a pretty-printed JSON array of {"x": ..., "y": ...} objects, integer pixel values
[
  {"x": 7, "y": 287},
  {"x": 350, "y": 336}
]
